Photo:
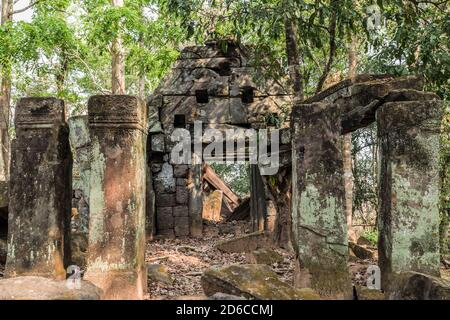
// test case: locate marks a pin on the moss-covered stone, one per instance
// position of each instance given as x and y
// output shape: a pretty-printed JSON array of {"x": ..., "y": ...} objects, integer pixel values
[
  {"x": 116, "y": 253},
  {"x": 418, "y": 286},
  {"x": 319, "y": 222},
  {"x": 264, "y": 256},
  {"x": 40, "y": 190},
  {"x": 409, "y": 187},
  {"x": 38, "y": 288},
  {"x": 364, "y": 293},
  {"x": 245, "y": 243},
  {"x": 252, "y": 281}
]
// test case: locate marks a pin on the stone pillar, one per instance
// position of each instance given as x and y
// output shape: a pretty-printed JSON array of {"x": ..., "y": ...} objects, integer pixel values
[
  {"x": 319, "y": 222},
  {"x": 116, "y": 253},
  {"x": 409, "y": 188},
  {"x": 195, "y": 200},
  {"x": 40, "y": 190},
  {"x": 80, "y": 142}
]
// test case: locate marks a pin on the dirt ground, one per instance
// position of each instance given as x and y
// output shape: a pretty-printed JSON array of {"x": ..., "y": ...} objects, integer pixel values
[{"x": 186, "y": 259}]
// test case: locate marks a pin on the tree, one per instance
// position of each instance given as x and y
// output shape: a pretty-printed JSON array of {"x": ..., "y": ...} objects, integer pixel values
[
  {"x": 7, "y": 13},
  {"x": 118, "y": 58}
]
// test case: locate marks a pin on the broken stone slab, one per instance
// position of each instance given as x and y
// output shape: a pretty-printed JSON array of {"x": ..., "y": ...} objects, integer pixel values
[
  {"x": 247, "y": 243},
  {"x": 40, "y": 190},
  {"x": 360, "y": 251},
  {"x": 361, "y": 94},
  {"x": 39, "y": 288},
  {"x": 418, "y": 286},
  {"x": 318, "y": 216},
  {"x": 364, "y": 293},
  {"x": 159, "y": 273},
  {"x": 363, "y": 241},
  {"x": 252, "y": 281},
  {"x": 264, "y": 256},
  {"x": 408, "y": 134},
  {"x": 116, "y": 253}
]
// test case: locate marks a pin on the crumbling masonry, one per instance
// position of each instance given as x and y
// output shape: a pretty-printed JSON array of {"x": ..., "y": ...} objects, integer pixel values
[{"x": 133, "y": 189}]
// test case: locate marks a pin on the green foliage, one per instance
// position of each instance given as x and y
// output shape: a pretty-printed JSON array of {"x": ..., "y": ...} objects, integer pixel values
[
  {"x": 372, "y": 236},
  {"x": 236, "y": 176}
]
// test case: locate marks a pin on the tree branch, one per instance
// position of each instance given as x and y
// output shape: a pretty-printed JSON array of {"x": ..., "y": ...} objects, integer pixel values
[
  {"x": 332, "y": 52},
  {"x": 32, "y": 4}
]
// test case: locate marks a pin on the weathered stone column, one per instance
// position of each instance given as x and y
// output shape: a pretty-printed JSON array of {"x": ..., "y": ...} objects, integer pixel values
[
  {"x": 81, "y": 142},
  {"x": 40, "y": 190},
  {"x": 409, "y": 188},
  {"x": 116, "y": 250},
  {"x": 195, "y": 200},
  {"x": 319, "y": 222}
]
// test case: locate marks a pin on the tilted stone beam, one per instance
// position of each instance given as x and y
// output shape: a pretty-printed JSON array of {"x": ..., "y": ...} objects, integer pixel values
[
  {"x": 116, "y": 249},
  {"x": 40, "y": 190},
  {"x": 319, "y": 222}
]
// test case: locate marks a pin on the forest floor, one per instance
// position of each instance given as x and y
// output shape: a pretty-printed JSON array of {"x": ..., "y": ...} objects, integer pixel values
[{"x": 185, "y": 259}]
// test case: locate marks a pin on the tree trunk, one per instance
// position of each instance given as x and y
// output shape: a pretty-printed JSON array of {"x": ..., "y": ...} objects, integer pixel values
[
  {"x": 347, "y": 152},
  {"x": 332, "y": 45},
  {"x": 7, "y": 6},
  {"x": 61, "y": 74},
  {"x": 118, "y": 60},
  {"x": 293, "y": 57}
]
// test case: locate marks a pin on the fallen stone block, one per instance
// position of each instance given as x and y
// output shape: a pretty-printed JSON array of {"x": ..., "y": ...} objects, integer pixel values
[
  {"x": 363, "y": 241},
  {"x": 39, "y": 288},
  {"x": 246, "y": 243},
  {"x": 360, "y": 251},
  {"x": 418, "y": 286},
  {"x": 252, "y": 281},
  {"x": 264, "y": 256}
]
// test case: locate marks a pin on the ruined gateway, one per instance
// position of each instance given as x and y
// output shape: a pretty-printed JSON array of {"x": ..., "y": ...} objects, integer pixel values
[{"x": 125, "y": 177}]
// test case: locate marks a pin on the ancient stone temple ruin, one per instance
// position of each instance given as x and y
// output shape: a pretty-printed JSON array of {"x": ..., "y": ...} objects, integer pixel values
[
  {"x": 216, "y": 86},
  {"x": 127, "y": 187},
  {"x": 408, "y": 122}
]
